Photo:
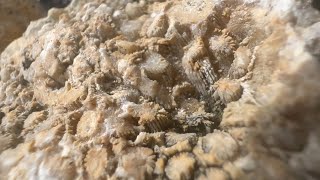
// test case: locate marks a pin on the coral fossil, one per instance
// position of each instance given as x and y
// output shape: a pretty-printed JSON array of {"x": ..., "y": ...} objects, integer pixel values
[
  {"x": 227, "y": 90},
  {"x": 184, "y": 89},
  {"x": 96, "y": 162},
  {"x": 137, "y": 164},
  {"x": 180, "y": 166}
]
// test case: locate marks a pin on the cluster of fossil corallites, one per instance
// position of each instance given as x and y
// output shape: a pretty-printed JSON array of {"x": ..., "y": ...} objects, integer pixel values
[{"x": 138, "y": 90}]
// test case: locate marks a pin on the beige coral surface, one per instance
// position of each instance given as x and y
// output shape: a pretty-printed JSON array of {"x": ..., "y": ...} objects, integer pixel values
[{"x": 153, "y": 89}]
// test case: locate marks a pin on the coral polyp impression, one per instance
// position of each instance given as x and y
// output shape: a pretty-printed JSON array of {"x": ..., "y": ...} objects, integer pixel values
[{"x": 132, "y": 81}]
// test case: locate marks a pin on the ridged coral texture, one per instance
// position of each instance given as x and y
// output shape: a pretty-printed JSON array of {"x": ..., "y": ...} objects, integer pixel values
[{"x": 156, "y": 89}]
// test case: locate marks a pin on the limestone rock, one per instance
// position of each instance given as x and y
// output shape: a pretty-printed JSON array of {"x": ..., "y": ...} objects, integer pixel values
[{"x": 185, "y": 89}]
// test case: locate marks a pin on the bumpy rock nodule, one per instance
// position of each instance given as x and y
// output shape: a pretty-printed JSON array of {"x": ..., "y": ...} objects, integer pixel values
[{"x": 163, "y": 90}]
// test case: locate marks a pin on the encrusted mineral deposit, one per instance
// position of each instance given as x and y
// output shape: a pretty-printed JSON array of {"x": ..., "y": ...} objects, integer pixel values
[{"x": 155, "y": 89}]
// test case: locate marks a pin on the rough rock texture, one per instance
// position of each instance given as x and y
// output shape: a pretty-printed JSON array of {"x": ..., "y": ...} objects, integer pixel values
[{"x": 184, "y": 89}]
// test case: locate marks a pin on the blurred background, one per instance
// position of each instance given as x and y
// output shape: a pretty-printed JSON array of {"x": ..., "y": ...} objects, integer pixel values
[{"x": 15, "y": 16}]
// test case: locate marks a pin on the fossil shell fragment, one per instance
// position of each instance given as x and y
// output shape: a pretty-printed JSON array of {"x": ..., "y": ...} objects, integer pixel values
[
  {"x": 46, "y": 138},
  {"x": 215, "y": 148},
  {"x": 10, "y": 158},
  {"x": 227, "y": 90},
  {"x": 49, "y": 64},
  {"x": 183, "y": 146},
  {"x": 180, "y": 166},
  {"x": 126, "y": 47},
  {"x": 198, "y": 68},
  {"x": 33, "y": 119},
  {"x": 22, "y": 169},
  {"x": 96, "y": 162},
  {"x": 57, "y": 167},
  {"x": 160, "y": 165},
  {"x": 240, "y": 64},
  {"x": 222, "y": 46},
  {"x": 193, "y": 117},
  {"x": 152, "y": 116},
  {"x": 71, "y": 98},
  {"x": 159, "y": 26},
  {"x": 6, "y": 141},
  {"x": 124, "y": 128},
  {"x": 174, "y": 138},
  {"x": 156, "y": 71},
  {"x": 138, "y": 164},
  {"x": 89, "y": 124},
  {"x": 134, "y": 10},
  {"x": 214, "y": 173},
  {"x": 150, "y": 139},
  {"x": 157, "y": 123},
  {"x": 177, "y": 34}
]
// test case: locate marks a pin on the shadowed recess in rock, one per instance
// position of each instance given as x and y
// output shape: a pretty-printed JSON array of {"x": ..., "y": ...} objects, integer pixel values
[{"x": 55, "y": 3}]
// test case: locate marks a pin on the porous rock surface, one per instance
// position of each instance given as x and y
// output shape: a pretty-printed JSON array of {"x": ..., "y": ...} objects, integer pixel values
[{"x": 183, "y": 89}]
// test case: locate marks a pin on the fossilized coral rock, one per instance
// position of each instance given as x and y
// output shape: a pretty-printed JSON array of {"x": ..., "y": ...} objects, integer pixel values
[{"x": 186, "y": 89}]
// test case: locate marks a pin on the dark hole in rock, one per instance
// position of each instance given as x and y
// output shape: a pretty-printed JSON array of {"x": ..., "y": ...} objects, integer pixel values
[
  {"x": 1, "y": 116},
  {"x": 316, "y": 4},
  {"x": 55, "y": 3}
]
